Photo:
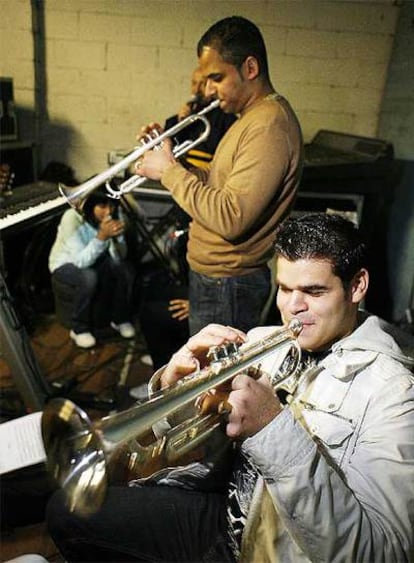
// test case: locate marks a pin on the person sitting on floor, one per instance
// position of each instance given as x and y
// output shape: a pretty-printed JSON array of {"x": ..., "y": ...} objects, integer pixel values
[{"x": 89, "y": 252}]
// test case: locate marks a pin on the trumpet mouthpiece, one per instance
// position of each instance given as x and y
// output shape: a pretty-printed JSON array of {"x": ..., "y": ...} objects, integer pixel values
[{"x": 295, "y": 326}]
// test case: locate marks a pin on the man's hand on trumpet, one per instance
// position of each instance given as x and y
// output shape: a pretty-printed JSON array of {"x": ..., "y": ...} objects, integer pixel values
[
  {"x": 193, "y": 354},
  {"x": 154, "y": 162},
  {"x": 251, "y": 403}
]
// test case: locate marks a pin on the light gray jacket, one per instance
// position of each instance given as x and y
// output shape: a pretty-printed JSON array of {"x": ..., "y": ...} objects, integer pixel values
[
  {"x": 339, "y": 485},
  {"x": 77, "y": 243}
]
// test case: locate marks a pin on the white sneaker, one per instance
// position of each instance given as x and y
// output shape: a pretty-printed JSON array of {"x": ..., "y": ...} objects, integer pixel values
[
  {"x": 126, "y": 330},
  {"x": 147, "y": 360},
  {"x": 83, "y": 339},
  {"x": 140, "y": 392}
]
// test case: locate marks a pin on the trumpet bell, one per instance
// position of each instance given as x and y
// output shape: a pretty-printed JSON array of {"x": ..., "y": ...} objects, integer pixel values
[
  {"x": 72, "y": 196},
  {"x": 75, "y": 457}
]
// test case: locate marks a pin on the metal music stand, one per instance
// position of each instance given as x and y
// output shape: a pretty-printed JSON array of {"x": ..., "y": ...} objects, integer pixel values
[{"x": 137, "y": 219}]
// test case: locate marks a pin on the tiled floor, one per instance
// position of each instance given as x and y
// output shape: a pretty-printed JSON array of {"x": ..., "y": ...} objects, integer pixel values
[{"x": 106, "y": 372}]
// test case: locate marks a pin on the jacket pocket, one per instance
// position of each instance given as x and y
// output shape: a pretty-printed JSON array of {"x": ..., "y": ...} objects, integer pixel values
[{"x": 331, "y": 431}]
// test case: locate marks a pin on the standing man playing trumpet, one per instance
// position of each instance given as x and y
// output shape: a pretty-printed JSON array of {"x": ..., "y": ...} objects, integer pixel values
[
  {"x": 248, "y": 188},
  {"x": 324, "y": 474},
  {"x": 165, "y": 332}
]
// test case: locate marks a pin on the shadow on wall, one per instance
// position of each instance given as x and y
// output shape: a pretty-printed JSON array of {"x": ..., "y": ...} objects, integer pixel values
[
  {"x": 51, "y": 142},
  {"x": 401, "y": 245}
]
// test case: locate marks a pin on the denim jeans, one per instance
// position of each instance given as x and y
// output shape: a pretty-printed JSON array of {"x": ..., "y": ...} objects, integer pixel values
[
  {"x": 236, "y": 301},
  {"x": 144, "y": 523},
  {"x": 84, "y": 283}
]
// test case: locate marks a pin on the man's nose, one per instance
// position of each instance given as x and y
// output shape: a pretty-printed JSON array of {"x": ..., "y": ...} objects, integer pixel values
[
  {"x": 297, "y": 302},
  {"x": 210, "y": 89}
]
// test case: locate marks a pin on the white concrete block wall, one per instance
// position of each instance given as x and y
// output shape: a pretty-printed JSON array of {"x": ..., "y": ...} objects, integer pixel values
[
  {"x": 16, "y": 56},
  {"x": 113, "y": 65}
]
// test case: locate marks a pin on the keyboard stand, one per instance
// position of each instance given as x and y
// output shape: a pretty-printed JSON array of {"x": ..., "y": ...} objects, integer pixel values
[
  {"x": 17, "y": 350},
  {"x": 34, "y": 389}
]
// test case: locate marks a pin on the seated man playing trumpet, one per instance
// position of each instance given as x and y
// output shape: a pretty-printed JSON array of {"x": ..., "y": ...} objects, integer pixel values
[{"x": 324, "y": 474}]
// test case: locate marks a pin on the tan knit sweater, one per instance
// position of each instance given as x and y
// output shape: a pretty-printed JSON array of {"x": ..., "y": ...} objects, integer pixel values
[{"x": 249, "y": 187}]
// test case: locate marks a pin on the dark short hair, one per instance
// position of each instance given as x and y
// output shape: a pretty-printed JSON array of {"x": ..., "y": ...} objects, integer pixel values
[
  {"x": 236, "y": 38},
  {"x": 326, "y": 237},
  {"x": 95, "y": 198}
]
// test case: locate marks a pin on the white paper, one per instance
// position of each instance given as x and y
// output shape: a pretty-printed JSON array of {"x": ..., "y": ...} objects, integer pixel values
[{"x": 21, "y": 443}]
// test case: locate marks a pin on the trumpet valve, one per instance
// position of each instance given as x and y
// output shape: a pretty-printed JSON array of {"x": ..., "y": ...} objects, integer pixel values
[
  {"x": 223, "y": 352},
  {"x": 212, "y": 401}
]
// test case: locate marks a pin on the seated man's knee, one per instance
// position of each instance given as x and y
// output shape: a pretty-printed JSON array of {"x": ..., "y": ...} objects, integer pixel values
[{"x": 57, "y": 513}]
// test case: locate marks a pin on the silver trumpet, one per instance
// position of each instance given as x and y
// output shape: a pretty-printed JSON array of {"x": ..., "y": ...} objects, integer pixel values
[
  {"x": 80, "y": 452},
  {"x": 76, "y": 195}
]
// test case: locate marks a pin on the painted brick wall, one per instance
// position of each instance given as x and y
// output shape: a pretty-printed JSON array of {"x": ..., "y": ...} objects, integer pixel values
[
  {"x": 16, "y": 57},
  {"x": 397, "y": 124},
  {"x": 113, "y": 65}
]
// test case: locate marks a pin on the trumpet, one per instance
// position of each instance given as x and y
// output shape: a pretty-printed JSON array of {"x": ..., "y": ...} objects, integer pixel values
[
  {"x": 76, "y": 195},
  {"x": 80, "y": 452}
]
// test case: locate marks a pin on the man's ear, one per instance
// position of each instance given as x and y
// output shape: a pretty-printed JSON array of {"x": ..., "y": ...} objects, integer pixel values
[
  {"x": 359, "y": 286},
  {"x": 251, "y": 68}
]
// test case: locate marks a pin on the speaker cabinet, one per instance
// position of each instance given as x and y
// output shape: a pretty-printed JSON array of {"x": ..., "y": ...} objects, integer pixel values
[
  {"x": 8, "y": 120},
  {"x": 20, "y": 160}
]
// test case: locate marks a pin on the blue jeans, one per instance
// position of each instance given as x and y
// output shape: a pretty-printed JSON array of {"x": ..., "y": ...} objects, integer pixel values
[
  {"x": 118, "y": 277},
  {"x": 236, "y": 301}
]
